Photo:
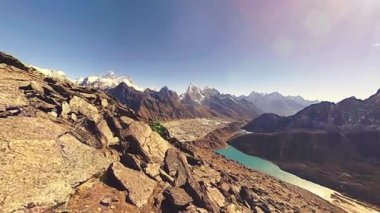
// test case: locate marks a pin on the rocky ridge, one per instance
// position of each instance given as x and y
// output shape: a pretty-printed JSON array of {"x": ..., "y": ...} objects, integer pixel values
[
  {"x": 225, "y": 105},
  {"x": 158, "y": 105},
  {"x": 69, "y": 148}
]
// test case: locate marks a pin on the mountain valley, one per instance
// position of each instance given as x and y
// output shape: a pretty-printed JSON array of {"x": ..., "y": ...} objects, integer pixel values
[
  {"x": 70, "y": 148},
  {"x": 190, "y": 106},
  {"x": 335, "y": 145}
]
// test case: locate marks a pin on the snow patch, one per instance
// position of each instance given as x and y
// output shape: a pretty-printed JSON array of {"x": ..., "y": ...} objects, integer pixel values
[
  {"x": 109, "y": 80},
  {"x": 52, "y": 73}
]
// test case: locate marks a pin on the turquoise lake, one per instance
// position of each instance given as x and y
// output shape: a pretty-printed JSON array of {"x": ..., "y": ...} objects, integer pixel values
[{"x": 272, "y": 169}]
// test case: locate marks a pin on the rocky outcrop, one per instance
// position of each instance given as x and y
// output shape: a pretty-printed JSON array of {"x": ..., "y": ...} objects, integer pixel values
[
  {"x": 66, "y": 148},
  {"x": 45, "y": 153},
  {"x": 177, "y": 166},
  {"x": 140, "y": 187},
  {"x": 178, "y": 197},
  {"x": 10, "y": 60},
  {"x": 78, "y": 105},
  {"x": 143, "y": 140},
  {"x": 42, "y": 166}
]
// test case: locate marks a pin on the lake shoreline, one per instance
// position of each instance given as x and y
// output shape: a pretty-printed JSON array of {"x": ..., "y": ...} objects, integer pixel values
[{"x": 274, "y": 170}]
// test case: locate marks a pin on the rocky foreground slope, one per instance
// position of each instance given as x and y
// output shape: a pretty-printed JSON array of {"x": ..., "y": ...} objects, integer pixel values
[
  {"x": 336, "y": 145},
  {"x": 68, "y": 148}
]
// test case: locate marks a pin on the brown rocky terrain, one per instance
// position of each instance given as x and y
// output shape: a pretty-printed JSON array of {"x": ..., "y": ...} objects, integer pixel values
[
  {"x": 70, "y": 149},
  {"x": 335, "y": 145}
]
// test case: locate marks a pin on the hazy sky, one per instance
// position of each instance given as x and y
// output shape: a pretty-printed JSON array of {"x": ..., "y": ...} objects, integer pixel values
[{"x": 325, "y": 49}]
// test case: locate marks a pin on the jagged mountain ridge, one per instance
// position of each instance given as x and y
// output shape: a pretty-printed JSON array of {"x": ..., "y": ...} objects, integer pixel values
[
  {"x": 103, "y": 157},
  {"x": 157, "y": 105},
  {"x": 224, "y": 104},
  {"x": 196, "y": 94},
  {"x": 167, "y": 105},
  {"x": 347, "y": 115},
  {"x": 263, "y": 102},
  {"x": 277, "y": 103},
  {"x": 243, "y": 107}
]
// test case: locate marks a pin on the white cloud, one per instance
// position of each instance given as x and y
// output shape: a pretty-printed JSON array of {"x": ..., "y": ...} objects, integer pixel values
[{"x": 377, "y": 45}]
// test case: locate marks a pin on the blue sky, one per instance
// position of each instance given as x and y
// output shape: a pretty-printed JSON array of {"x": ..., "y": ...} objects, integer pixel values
[{"x": 326, "y": 50}]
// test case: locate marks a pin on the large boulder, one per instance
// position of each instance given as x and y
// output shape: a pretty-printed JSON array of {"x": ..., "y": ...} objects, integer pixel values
[
  {"x": 44, "y": 165},
  {"x": 178, "y": 197},
  {"x": 140, "y": 188},
  {"x": 207, "y": 175},
  {"x": 80, "y": 105},
  {"x": 66, "y": 109},
  {"x": 10, "y": 82},
  {"x": 153, "y": 171},
  {"x": 217, "y": 196},
  {"x": 146, "y": 141},
  {"x": 107, "y": 133},
  {"x": 177, "y": 166}
]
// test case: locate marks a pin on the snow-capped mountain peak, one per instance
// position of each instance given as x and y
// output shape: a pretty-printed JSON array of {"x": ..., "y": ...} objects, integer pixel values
[
  {"x": 198, "y": 95},
  {"x": 195, "y": 93},
  {"x": 58, "y": 74},
  {"x": 110, "y": 74},
  {"x": 209, "y": 91},
  {"x": 108, "y": 80}
]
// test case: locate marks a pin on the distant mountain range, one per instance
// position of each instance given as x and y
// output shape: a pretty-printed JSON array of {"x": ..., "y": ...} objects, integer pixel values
[
  {"x": 278, "y": 103},
  {"x": 157, "y": 105},
  {"x": 107, "y": 81},
  {"x": 336, "y": 145},
  {"x": 167, "y": 105},
  {"x": 347, "y": 115},
  {"x": 224, "y": 104},
  {"x": 195, "y": 102}
]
